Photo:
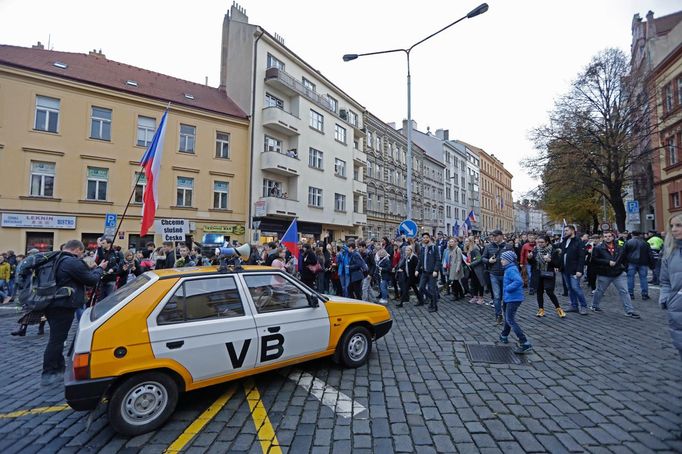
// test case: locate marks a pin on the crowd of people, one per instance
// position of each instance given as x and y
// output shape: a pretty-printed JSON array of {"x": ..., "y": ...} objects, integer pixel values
[{"x": 429, "y": 268}]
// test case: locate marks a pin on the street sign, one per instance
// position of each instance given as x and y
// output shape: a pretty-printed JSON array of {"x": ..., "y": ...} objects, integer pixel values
[
  {"x": 605, "y": 226},
  {"x": 409, "y": 228},
  {"x": 632, "y": 206},
  {"x": 110, "y": 224}
]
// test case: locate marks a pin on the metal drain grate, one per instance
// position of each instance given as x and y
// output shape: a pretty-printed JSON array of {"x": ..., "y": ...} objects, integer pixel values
[{"x": 493, "y": 354}]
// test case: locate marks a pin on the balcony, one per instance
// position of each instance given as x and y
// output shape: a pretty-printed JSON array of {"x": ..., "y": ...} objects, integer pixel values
[
  {"x": 359, "y": 219},
  {"x": 359, "y": 157},
  {"x": 279, "y": 207},
  {"x": 275, "y": 162},
  {"x": 279, "y": 79},
  {"x": 281, "y": 121},
  {"x": 360, "y": 187}
]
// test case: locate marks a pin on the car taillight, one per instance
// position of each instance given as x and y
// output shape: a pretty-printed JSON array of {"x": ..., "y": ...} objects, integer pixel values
[{"x": 81, "y": 366}]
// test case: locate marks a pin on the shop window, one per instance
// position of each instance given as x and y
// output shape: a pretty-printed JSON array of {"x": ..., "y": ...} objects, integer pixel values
[
  {"x": 43, "y": 241},
  {"x": 90, "y": 240}
]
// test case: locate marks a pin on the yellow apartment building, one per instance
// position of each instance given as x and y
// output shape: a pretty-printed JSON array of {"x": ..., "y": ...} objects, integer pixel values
[{"x": 73, "y": 128}]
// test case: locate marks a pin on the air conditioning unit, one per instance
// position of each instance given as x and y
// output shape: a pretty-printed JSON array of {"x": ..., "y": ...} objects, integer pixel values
[{"x": 343, "y": 113}]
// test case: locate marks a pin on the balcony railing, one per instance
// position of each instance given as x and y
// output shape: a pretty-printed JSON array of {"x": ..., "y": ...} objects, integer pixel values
[{"x": 295, "y": 85}]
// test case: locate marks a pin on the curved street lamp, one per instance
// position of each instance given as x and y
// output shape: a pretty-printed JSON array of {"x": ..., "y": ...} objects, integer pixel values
[{"x": 480, "y": 9}]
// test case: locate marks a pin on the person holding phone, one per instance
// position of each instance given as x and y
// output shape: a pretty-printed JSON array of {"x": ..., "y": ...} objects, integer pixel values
[{"x": 572, "y": 265}]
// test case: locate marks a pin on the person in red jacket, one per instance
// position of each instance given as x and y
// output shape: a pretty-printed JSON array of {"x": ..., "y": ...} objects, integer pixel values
[{"x": 528, "y": 247}]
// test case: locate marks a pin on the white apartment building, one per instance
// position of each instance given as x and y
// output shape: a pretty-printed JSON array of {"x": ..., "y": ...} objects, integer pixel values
[
  {"x": 473, "y": 179},
  {"x": 306, "y": 136}
]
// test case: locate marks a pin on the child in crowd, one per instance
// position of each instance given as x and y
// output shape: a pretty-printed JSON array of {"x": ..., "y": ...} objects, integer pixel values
[{"x": 513, "y": 297}]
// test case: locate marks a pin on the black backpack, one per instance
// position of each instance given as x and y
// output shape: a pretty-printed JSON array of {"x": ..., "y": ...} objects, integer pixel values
[{"x": 36, "y": 283}]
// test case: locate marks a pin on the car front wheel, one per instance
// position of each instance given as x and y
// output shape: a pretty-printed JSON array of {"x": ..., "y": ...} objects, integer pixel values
[
  {"x": 355, "y": 347},
  {"x": 142, "y": 403}
]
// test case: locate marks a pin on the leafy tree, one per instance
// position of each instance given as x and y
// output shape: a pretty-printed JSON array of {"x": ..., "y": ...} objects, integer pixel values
[{"x": 593, "y": 138}]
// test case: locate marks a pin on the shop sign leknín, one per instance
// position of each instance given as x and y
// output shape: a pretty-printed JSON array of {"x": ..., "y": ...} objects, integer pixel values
[
  {"x": 38, "y": 221},
  {"x": 231, "y": 229}
]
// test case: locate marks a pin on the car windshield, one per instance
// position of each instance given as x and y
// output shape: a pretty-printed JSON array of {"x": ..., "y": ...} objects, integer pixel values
[{"x": 119, "y": 295}]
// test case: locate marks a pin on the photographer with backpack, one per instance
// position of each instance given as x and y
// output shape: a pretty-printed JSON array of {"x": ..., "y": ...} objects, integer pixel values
[{"x": 71, "y": 276}]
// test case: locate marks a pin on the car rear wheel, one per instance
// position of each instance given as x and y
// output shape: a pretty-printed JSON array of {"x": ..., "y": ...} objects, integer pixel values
[
  {"x": 142, "y": 403},
  {"x": 355, "y": 347}
]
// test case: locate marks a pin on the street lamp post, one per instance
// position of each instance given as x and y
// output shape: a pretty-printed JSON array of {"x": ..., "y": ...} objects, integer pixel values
[{"x": 480, "y": 9}]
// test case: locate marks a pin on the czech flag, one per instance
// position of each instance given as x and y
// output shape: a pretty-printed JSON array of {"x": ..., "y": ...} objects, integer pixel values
[
  {"x": 472, "y": 216},
  {"x": 151, "y": 162},
  {"x": 290, "y": 239}
]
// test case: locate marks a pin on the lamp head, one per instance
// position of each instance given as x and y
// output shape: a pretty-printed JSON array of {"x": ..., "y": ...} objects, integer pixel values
[
  {"x": 349, "y": 57},
  {"x": 480, "y": 9}
]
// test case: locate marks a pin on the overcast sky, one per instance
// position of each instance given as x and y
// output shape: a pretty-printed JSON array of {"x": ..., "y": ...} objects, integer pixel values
[{"x": 489, "y": 80}]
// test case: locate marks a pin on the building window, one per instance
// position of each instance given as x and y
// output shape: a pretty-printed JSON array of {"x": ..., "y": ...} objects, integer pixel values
[
  {"x": 98, "y": 178},
  {"x": 222, "y": 145},
  {"x": 314, "y": 196},
  {"x": 145, "y": 130},
  {"x": 370, "y": 200},
  {"x": 220, "y": 194},
  {"x": 272, "y": 188},
  {"x": 679, "y": 91},
  {"x": 671, "y": 147},
  {"x": 272, "y": 144},
  {"x": 333, "y": 103},
  {"x": 339, "y": 202},
  {"x": 100, "y": 123},
  {"x": 185, "y": 187},
  {"x": 340, "y": 133},
  {"x": 675, "y": 200},
  {"x": 352, "y": 118},
  {"x": 139, "y": 187},
  {"x": 273, "y": 101},
  {"x": 273, "y": 62},
  {"x": 315, "y": 158},
  {"x": 668, "y": 98},
  {"x": 340, "y": 168},
  {"x": 47, "y": 114},
  {"x": 316, "y": 120},
  {"x": 187, "y": 138},
  {"x": 308, "y": 84},
  {"x": 42, "y": 179}
]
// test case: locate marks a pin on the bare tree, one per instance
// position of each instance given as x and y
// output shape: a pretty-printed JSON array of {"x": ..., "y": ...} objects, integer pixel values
[{"x": 596, "y": 132}]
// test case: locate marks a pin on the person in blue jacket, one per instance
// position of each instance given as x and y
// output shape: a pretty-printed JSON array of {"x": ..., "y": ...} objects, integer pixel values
[{"x": 513, "y": 297}]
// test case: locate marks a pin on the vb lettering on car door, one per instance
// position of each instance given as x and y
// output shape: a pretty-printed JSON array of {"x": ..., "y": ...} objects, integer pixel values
[{"x": 206, "y": 326}]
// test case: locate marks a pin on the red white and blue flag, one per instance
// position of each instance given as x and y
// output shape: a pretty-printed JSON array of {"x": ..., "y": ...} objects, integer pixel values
[
  {"x": 151, "y": 163},
  {"x": 472, "y": 216},
  {"x": 290, "y": 239}
]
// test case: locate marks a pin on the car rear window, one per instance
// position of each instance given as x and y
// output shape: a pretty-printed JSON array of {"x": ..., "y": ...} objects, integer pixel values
[{"x": 119, "y": 295}]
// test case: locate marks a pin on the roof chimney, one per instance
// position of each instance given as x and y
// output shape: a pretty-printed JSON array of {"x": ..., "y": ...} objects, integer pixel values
[
  {"x": 237, "y": 13},
  {"x": 443, "y": 134},
  {"x": 39, "y": 45},
  {"x": 97, "y": 53},
  {"x": 414, "y": 126},
  {"x": 650, "y": 25}
]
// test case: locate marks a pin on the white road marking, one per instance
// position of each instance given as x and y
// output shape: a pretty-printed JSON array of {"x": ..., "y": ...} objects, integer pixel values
[{"x": 337, "y": 401}]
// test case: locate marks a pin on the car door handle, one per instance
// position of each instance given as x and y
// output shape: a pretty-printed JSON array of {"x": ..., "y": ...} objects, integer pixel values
[
  {"x": 273, "y": 329},
  {"x": 174, "y": 345}
]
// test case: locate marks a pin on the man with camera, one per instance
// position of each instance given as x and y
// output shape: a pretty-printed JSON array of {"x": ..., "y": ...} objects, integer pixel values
[{"x": 115, "y": 260}]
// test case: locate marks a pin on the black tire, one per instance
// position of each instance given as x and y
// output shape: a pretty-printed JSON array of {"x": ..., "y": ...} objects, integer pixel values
[
  {"x": 355, "y": 346},
  {"x": 128, "y": 412}
]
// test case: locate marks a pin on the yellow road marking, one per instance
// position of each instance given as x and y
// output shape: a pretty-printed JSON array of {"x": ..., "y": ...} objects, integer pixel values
[
  {"x": 266, "y": 433},
  {"x": 34, "y": 411},
  {"x": 201, "y": 421}
]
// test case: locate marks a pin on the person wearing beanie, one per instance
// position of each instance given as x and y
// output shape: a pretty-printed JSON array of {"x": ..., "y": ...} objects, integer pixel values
[{"x": 513, "y": 297}]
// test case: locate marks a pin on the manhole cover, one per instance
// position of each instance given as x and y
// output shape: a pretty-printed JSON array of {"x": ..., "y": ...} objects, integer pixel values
[{"x": 493, "y": 354}]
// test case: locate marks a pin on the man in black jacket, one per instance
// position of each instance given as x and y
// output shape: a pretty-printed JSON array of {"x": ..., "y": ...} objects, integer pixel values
[
  {"x": 609, "y": 261},
  {"x": 491, "y": 258},
  {"x": 572, "y": 265},
  {"x": 638, "y": 255},
  {"x": 429, "y": 264},
  {"x": 71, "y": 272}
]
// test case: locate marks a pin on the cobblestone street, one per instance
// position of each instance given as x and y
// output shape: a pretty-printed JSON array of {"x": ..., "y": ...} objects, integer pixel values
[{"x": 596, "y": 383}]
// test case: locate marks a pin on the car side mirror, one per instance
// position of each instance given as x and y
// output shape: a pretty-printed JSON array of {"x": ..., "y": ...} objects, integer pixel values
[{"x": 313, "y": 300}]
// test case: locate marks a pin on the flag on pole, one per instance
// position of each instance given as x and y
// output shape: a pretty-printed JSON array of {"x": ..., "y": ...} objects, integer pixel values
[
  {"x": 465, "y": 229},
  {"x": 290, "y": 239},
  {"x": 563, "y": 228},
  {"x": 151, "y": 163},
  {"x": 472, "y": 217},
  {"x": 455, "y": 229}
]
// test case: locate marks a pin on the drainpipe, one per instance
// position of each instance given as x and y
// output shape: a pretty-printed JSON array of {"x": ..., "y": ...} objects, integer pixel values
[{"x": 253, "y": 114}]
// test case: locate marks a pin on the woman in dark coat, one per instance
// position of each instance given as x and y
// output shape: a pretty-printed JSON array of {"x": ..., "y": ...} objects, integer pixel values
[
  {"x": 406, "y": 273},
  {"x": 544, "y": 258},
  {"x": 309, "y": 259},
  {"x": 477, "y": 273}
]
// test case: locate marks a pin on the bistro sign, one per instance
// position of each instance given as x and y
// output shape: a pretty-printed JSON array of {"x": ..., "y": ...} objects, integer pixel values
[{"x": 38, "y": 221}]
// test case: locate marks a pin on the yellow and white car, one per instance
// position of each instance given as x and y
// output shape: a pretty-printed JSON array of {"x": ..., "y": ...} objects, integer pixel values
[{"x": 183, "y": 329}]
